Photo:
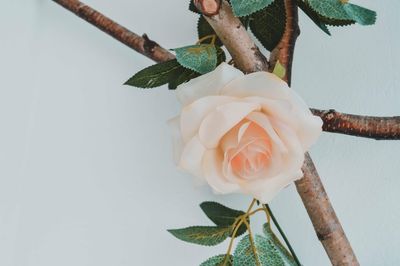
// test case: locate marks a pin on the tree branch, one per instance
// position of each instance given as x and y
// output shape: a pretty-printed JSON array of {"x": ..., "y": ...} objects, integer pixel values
[
  {"x": 142, "y": 44},
  {"x": 233, "y": 34},
  {"x": 323, "y": 217},
  {"x": 310, "y": 187},
  {"x": 379, "y": 128}
]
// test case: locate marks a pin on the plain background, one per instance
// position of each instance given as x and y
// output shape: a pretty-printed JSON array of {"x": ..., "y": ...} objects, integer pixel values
[{"x": 86, "y": 174}]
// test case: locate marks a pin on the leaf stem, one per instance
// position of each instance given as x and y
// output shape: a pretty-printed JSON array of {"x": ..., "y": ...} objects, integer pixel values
[
  {"x": 253, "y": 246},
  {"x": 282, "y": 234},
  {"x": 236, "y": 225},
  {"x": 213, "y": 37}
]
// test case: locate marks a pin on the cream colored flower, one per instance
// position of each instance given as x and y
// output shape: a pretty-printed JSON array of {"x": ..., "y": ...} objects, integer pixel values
[{"x": 243, "y": 133}]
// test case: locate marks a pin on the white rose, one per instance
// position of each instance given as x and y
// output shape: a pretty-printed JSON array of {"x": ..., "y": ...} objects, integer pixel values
[{"x": 243, "y": 133}]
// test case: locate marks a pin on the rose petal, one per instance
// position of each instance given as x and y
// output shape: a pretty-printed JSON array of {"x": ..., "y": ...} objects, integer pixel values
[
  {"x": 208, "y": 84},
  {"x": 307, "y": 126},
  {"x": 261, "y": 84},
  {"x": 192, "y": 156},
  {"x": 212, "y": 170},
  {"x": 216, "y": 124},
  {"x": 294, "y": 157},
  {"x": 193, "y": 114},
  {"x": 263, "y": 121},
  {"x": 266, "y": 189},
  {"x": 309, "y": 130}
]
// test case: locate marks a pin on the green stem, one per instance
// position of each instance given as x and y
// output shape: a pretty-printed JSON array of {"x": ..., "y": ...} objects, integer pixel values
[{"x": 283, "y": 235}]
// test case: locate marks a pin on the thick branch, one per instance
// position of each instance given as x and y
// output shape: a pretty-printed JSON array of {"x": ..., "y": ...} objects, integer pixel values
[
  {"x": 233, "y": 34},
  {"x": 142, "y": 45},
  {"x": 310, "y": 187},
  {"x": 323, "y": 217},
  {"x": 380, "y": 128}
]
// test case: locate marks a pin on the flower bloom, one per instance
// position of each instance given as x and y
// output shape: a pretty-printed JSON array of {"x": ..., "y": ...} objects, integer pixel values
[{"x": 243, "y": 133}]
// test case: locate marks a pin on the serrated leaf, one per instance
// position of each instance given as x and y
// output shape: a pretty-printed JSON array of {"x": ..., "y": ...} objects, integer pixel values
[
  {"x": 246, "y": 7},
  {"x": 321, "y": 20},
  {"x": 279, "y": 70},
  {"x": 202, "y": 235},
  {"x": 342, "y": 11},
  {"x": 244, "y": 254},
  {"x": 204, "y": 29},
  {"x": 269, "y": 251},
  {"x": 268, "y": 25},
  {"x": 269, "y": 254},
  {"x": 313, "y": 16},
  {"x": 330, "y": 9},
  {"x": 361, "y": 15},
  {"x": 184, "y": 76},
  {"x": 155, "y": 75},
  {"x": 270, "y": 244},
  {"x": 222, "y": 215},
  {"x": 218, "y": 261},
  {"x": 201, "y": 58}
]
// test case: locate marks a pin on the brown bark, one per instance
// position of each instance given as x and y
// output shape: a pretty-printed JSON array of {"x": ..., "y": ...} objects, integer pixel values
[
  {"x": 140, "y": 44},
  {"x": 230, "y": 30},
  {"x": 323, "y": 217},
  {"x": 284, "y": 51},
  {"x": 379, "y": 128}
]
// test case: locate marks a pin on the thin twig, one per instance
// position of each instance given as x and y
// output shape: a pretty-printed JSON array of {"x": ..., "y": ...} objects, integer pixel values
[
  {"x": 379, "y": 128},
  {"x": 140, "y": 44}
]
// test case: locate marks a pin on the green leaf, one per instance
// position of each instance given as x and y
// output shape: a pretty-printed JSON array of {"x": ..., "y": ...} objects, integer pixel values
[
  {"x": 279, "y": 70},
  {"x": 204, "y": 29},
  {"x": 201, "y": 58},
  {"x": 269, "y": 251},
  {"x": 202, "y": 235},
  {"x": 329, "y": 8},
  {"x": 155, "y": 75},
  {"x": 271, "y": 247},
  {"x": 184, "y": 76},
  {"x": 320, "y": 19},
  {"x": 341, "y": 12},
  {"x": 314, "y": 16},
  {"x": 244, "y": 254},
  {"x": 222, "y": 215},
  {"x": 246, "y": 7},
  {"x": 218, "y": 261},
  {"x": 268, "y": 25},
  {"x": 361, "y": 15}
]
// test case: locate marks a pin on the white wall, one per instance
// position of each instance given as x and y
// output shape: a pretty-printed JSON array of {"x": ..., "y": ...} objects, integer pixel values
[{"x": 86, "y": 175}]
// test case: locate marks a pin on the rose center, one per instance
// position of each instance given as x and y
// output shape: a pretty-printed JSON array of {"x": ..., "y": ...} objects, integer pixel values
[{"x": 253, "y": 152}]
